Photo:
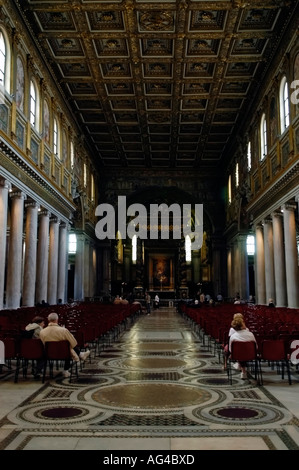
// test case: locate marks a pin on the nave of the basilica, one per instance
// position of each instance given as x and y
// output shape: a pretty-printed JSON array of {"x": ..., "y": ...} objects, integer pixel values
[{"x": 149, "y": 148}]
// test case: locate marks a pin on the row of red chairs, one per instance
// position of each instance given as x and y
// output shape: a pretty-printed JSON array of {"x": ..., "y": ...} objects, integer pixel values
[
  {"x": 28, "y": 352},
  {"x": 93, "y": 325},
  {"x": 272, "y": 351},
  {"x": 213, "y": 324}
]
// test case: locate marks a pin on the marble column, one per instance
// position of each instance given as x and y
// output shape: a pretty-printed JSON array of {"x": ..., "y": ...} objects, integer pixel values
[
  {"x": 229, "y": 272},
  {"x": 28, "y": 297},
  {"x": 62, "y": 262},
  {"x": 42, "y": 257},
  {"x": 236, "y": 268},
  {"x": 216, "y": 266},
  {"x": 243, "y": 260},
  {"x": 4, "y": 188},
  {"x": 269, "y": 260},
  {"x": 53, "y": 260},
  {"x": 92, "y": 271},
  {"x": 279, "y": 260},
  {"x": 79, "y": 269},
  {"x": 107, "y": 270},
  {"x": 260, "y": 266},
  {"x": 14, "y": 266},
  {"x": 86, "y": 268},
  {"x": 291, "y": 255}
]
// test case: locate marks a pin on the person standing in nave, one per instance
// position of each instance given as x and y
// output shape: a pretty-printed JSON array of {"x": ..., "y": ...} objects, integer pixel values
[{"x": 148, "y": 303}]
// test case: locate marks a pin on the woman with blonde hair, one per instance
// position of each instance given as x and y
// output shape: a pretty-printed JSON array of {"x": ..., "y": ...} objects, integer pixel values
[
  {"x": 230, "y": 333},
  {"x": 241, "y": 334}
]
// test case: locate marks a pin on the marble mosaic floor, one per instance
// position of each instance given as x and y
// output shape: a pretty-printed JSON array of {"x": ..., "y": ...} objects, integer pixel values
[{"x": 157, "y": 387}]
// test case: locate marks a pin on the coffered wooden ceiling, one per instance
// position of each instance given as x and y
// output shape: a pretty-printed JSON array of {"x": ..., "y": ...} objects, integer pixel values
[{"x": 163, "y": 84}]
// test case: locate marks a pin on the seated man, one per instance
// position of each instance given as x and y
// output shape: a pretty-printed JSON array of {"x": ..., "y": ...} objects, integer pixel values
[{"x": 55, "y": 332}]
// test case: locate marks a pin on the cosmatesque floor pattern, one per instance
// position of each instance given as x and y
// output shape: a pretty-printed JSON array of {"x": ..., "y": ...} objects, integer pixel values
[{"x": 158, "y": 386}]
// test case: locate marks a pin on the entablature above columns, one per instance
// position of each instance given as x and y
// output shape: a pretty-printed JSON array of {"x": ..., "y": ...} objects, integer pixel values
[
  {"x": 282, "y": 190},
  {"x": 22, "y": 175},
  {"x": 276, "y": 212}
]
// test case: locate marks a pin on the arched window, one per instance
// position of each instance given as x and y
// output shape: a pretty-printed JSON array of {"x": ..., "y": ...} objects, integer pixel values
[
  {"x": 250, "y": 245},
  {"x": 295, "y": 85},
  {"x": 188, "y": 248},
  {"x": 33, "y": 103},
  {"x": 55, "y": 137},
  {"x": 237, "y": 174},
  {"x": 229, "y": 189},
  {"x": 85, "y": 175},
  {"x": 72, "y": 243},
  {"x": 92, "y": 188},
  {"x": 72, "y": 155},
  {"x": 119, "y": 247},
  {"x": 284, "y": 105},
  {"x": 134, "y": 249},
  {"x": 249, "y": 156},
  {"x": 2, "y": 60},
  {"x": 263, "y": 133},
  {"x": 4, "y": 63}
]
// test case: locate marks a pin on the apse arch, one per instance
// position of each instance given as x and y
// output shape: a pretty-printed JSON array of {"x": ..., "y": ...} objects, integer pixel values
[{"x": 169, "y": 195}]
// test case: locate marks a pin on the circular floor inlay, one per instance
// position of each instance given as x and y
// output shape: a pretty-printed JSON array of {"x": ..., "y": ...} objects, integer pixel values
[
  {"x": 210, "y": 370},
  {"x": 151, "y": 395},
  {"x": 89, "y": 380},
  {"x": 214, "y": 381},
  {"x": 96, "y": 371},
  {"x": 237, "y": 413},
  {"x": 152, "y": 363},
  {"x": 61, "y": 412}
]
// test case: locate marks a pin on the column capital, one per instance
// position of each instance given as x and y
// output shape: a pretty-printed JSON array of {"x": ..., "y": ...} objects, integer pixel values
[
  {"x": 4, "y": 183},
  {"x": 54, "y": 219},
  {"x": 289, "y": 206},
  {"x": 277, "y": 213},
  {"x": 242, "y": 237},
  {"x": 44, "y": 212},
  {"x": 63, "y": 225},
  {"x": 17, "y": 194},
  {"x": 30, "y": 203},
  {"x": 268, "y": 220}
]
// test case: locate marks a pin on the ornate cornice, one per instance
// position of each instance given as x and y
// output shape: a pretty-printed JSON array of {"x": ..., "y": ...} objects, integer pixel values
[
  {"x": 24, "y": 176},
  {"x": 278, "y": 192}
]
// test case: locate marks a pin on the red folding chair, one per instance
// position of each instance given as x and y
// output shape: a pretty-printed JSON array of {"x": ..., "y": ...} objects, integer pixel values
[
  {"x": 59, "y": 351},
  {"x": 244, "y": 351},
  {"x": 31, "y": 349},
  {"x": 274, "y": 351}
]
